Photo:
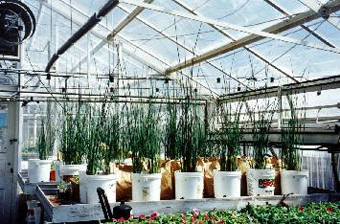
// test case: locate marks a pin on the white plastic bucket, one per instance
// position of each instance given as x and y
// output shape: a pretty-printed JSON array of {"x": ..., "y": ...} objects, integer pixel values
[
  {"x": 189, "y": 185},
  {"x": 69, "y": 170},
  {"x": 260, "y": 182},
  {"x": 82, "y": 184},
  {"x": 106, "y": 182},
  {"x": 293, "y": 181},
  {"x": 146, "y": 187},
  {"x": 39, "y": 170},
  {"x": 227, "y": 184}
]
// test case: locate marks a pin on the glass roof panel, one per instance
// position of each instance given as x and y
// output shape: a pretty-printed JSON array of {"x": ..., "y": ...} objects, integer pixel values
[
  {"x": 238, "y": 12},
  {"x": 293, "y": 7},
  {"x": 315, "y": 64},
  {"x": 151, "y": 41},
  {"x": 145, "y": 48}
]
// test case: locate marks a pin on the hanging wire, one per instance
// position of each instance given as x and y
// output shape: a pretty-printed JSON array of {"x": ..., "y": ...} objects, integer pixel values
[
  {"x": 236, "y": 10},
  {"x": 292, "y": 47},
  {"x": 47, "y": 89}
]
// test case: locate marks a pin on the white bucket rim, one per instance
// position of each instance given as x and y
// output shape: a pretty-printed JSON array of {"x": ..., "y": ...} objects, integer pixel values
[
  {"x": 147, "y": 175},
  {"x": 261, "y": 170},
  {"x": 189, "y": 174},
  {"x": 228, "y": 173},
  {"x": 101, "y": 177},
  {"x": 70, "y": 166},
  {"x": 295, "y": 172},
  {"x": 41, "y": 161},
  {"x": 32, "y": 160}
]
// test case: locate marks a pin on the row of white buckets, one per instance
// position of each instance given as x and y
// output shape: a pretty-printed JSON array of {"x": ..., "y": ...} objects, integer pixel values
[{"x": 188, "y": 185}]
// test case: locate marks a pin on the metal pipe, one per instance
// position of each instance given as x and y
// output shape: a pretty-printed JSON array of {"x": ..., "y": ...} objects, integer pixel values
[{"x": 91, "y": 22}]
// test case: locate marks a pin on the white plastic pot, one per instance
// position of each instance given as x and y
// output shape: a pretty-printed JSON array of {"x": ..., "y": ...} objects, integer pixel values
[
  {"x": 189, "y": 185},
  {"x": 82, "y": 184},
  {"x": 227, "y": 184},
  {"x": 146, "y": 187},
  {"x": 106, "y": 182},
  {"x": 260, "y": 182},
  {"x": 293, "y": 181},
  {"x": 69, "y": 170},
  {"x": 39, "y": 170}
]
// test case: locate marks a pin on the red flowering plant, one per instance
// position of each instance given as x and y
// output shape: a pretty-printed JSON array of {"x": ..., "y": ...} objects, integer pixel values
[{"x": 325, "y": 212}]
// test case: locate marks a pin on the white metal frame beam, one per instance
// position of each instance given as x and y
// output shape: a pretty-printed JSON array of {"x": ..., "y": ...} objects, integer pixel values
[
  {"x": 226, "y": 34},
  {"x": 264, "y": 33},
  {"x": 156, "y": 62},
  {"x": 317, "y": 6},
  {"x": 151, "y": 61},
  {"x": 151, "y": 26},
  {"x": 111, "y": 36},
  {"x": 321, "y": 84},
  {"x": 287, "y": 24},
  {"x": 276, "y": 6}
]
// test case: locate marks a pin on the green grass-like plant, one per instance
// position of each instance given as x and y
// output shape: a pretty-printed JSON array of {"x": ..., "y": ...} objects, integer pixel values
[
  {"x": 260, "y": 130},
  {"x": 290, "y": 138},
  {"x": 73, "y": 135},
  {"x": 192, "y": 136},
  {"x": 143, "y": 135},
  {"x": 93, "y": 140},
  {"x": 46, "y": 141},
  {"x": 230, "y": 139},
  {"x": 111, "y": 148}
]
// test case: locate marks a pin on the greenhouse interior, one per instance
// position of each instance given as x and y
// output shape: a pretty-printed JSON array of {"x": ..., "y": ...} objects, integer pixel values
[{"x": 169, "y": 111}]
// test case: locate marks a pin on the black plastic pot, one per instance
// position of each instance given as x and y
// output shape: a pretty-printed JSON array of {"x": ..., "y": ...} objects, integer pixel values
[{"x": 122, "y": 211}]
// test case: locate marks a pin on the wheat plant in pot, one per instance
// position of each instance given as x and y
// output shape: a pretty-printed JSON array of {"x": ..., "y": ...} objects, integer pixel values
[
  {"x": 72, "y": 149},
  {"x": 143, "y": 137},
  {"x": 101, "y": 149},
  {"x": 191, "y": 143},
  {"x": 72, "y": 141},
  {"x": 260, "y": 178},
  {"x": 39, "y": 169},
  {"x": 293, "y": 178},
  {"x": 227, "y": 181}
]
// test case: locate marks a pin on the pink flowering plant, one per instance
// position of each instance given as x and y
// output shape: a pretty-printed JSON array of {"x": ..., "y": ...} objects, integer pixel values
[{"x": 324, "y": 212}]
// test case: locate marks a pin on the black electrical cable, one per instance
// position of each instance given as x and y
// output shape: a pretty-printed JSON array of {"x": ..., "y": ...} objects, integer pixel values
[{"x": 91, "y": 22}]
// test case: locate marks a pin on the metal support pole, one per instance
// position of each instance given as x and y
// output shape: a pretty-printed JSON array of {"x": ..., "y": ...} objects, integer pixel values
[
  {"x": 335, "y": 156},
  {"x": 279, "y": 120}
]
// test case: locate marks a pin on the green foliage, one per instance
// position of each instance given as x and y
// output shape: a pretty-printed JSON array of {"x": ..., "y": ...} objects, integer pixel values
[
  {"x": 46, "y": 140},
  {"x": 261, "y": 122},
  {"x": 230, "y": 139},
  {"x": 290, "y": 138},
  {"x": 63, "y": 187},
  {"x": 92, "y": 134},
  {"x": 171, "y": 133},
  {"x": 73, "y": 137},
  {"x": 93, "y": 140},
  {"x": 323, "y": 212},
  {"x": 192, "y": 136},
  {"x": 111, "y": 149},
  {"x": 143, "y": 135}
]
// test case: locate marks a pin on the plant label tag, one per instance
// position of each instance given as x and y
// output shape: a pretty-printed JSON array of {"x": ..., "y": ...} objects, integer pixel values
[{"x": 264, "y": 183}]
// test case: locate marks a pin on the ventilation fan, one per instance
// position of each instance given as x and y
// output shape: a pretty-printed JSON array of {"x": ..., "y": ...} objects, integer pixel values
[{"x": 17, "y": 22}]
